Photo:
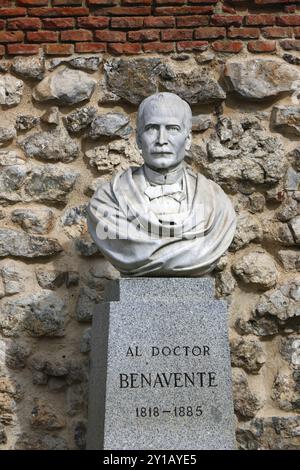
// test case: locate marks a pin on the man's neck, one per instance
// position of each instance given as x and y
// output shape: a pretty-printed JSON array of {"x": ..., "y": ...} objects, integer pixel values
[{"x": 165, "y": 175}]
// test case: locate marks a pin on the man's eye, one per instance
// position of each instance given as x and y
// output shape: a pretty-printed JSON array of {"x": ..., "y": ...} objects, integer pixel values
[
  {"x": 173, "y": 128},
  {"x": 151, "y": 128}
]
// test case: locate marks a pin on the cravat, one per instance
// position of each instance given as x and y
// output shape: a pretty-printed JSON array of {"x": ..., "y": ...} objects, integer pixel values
[{"x": 172, "y": 190}]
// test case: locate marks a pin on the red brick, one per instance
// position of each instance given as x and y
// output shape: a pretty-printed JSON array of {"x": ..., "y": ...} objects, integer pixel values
[
  {"x": 58, "y": 11},
  {"x": 6, "y": 12},
  {"x": 119, "y": 49},
  {"x": 261, "y": 46},
  {"x": 24, "y": 23},
  {"x": 79, "y": 35},
  {"x": 192, "y": 46},
  {"x": 176, "y": 34},
  {"x": 110, "y": 36},
  {"x": 227, "y": 9},
  {"x": 124, "y": 11},
  {"x": 297, "y": 32},
  {"x": 2, "y": 24},
  {"x": 289, "y": 8},
  {"x": 93, "y": 22},
  {"x": 232, "y": 47},
  {"x": 58, "y": 23},
  {"x": 272, "y": 2},
  {"x": 203, "y": 1},
  {"x": 243, "y": 33},
  {"x": 22, "y": 49},
  {"x": 185, "y": 10},
  {"x": 12, "y": 36},
  {"x": 135, "y": 2},
  {"x": 260, "y": 20},
  {"x": 31, "y": 3},
  {"x": 227, "y": 20},
  {"x": 59, "y": 49},
  {"x": 277, "y": 32},
  {"x": 144, "y": 35},
  {"x": 7, "y": 3},
  {"x": 159, "y": 47},
  {"x": 210, "y": 33},
  {"x": 101, "y": 2},
  {"x": 159, "y": 22},
  {"x": 290, "y": 45},
  {"x": 42, "y": 36},
  {"x": 171, "y": 2},
  {"x": 90, "y": 47},
  {"x": 2, "y": 50},
  {"x": 192, "y": 21},
  {"x": 57, "y": 3},
  {"x": 288, "y": 20},
  {"x": 127, "y": 23}
]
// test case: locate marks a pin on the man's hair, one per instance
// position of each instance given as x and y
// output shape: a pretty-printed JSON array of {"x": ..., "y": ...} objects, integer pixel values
[{"x": 172, "y": 101}]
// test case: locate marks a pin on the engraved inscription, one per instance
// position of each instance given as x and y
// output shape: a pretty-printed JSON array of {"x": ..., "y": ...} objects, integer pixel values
[
  {"x": 168, "y": 379},
  {"x": 200, "y": 377}
]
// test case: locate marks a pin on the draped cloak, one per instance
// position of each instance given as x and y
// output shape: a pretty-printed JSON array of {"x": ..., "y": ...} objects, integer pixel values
[{"x": 139, "y": 242}]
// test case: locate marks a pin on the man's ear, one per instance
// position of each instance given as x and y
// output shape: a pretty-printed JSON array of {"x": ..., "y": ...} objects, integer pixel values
[{"x": 188, "y": 141}]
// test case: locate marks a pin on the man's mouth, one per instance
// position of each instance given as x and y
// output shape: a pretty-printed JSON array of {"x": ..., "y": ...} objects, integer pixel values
[{"x": 161, "y": 153}]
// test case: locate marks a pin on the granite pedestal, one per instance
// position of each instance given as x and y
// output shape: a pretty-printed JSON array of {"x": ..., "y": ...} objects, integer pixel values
[{"x": 160, "y": 367}]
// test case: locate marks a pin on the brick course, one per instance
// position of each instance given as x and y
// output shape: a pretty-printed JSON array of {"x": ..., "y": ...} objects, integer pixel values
[
  {"x": 139, "y": 26},
  {"x": 211, "y": 34}
]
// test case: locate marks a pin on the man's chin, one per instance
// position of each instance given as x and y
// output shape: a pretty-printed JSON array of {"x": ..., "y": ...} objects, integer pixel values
[{"x": 162, "y": 164}]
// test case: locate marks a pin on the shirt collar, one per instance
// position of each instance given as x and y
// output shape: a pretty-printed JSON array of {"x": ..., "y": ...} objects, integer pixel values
[{"x": 173, "y": 176}]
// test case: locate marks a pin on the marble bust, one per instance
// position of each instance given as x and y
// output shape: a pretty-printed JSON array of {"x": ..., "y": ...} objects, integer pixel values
[{"x": 162, "y": 219}]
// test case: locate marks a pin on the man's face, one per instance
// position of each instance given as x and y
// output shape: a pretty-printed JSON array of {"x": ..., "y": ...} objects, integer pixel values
[{"x": 163, "y": 138}]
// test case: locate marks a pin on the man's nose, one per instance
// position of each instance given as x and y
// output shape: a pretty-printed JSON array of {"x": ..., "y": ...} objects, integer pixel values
[{"x": 162, "y": 136}]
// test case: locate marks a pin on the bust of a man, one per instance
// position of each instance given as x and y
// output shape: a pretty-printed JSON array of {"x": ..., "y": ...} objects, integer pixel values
[{"x": 162, "y": 219}]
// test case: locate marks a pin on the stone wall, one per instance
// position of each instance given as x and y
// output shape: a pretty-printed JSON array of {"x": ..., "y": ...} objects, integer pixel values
[{"x": 68, "y": 124}]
